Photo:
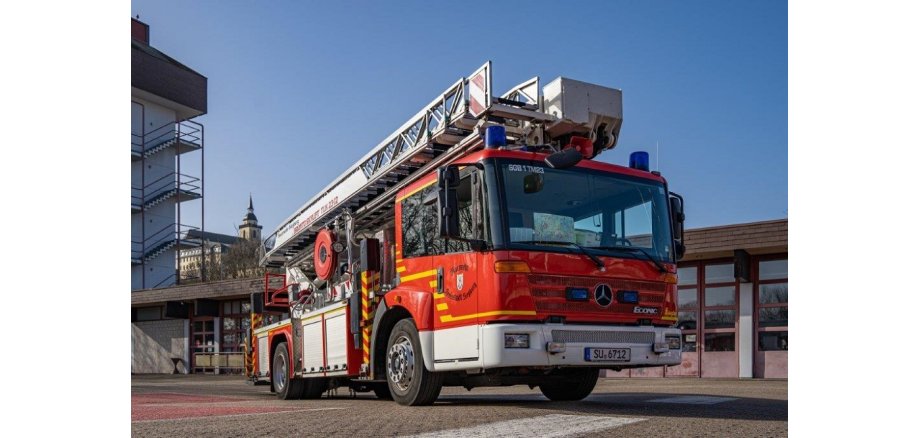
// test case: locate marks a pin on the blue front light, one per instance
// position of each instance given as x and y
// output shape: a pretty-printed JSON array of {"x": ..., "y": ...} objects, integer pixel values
[
  {"x": 628, "y": 296},
  {"x": 576, "y": 294}
]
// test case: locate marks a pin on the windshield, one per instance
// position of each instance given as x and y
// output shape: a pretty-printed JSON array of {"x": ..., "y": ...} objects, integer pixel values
[{"x": 606, "y": 213}]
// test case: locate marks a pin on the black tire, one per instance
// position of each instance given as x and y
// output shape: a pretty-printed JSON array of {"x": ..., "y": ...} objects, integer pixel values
[
  {"x": 314, "y": 387},
  {"x": 578, "y": 384},
  {"x": 382, "y": 391},
  {"x": 285, "y": 387},
  {"x": 409, "y": 382}
]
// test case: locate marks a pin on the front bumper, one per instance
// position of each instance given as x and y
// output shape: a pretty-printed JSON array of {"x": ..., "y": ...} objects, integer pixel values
[{"x": 641, "y": 342}]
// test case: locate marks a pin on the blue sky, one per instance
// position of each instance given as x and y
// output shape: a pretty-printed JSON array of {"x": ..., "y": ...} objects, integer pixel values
[{"x": 298, "y": 91}]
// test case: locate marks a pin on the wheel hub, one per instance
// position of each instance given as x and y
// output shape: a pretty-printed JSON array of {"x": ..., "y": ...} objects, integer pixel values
[
  {"x": 401, "y": 363},
  {"x": 280, "y": 373}
]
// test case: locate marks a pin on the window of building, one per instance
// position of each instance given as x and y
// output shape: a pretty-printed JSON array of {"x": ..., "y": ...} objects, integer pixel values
[
  {"x": 203, "y": 336},
  {"x": 149, "y": 313},
  {"x": 773, "y": 305},
  {"x": 721, "y": 273},
  {"x": 719, "y": 342},
  {"x": 687, "y": 308},
  {"x": 688, "y": 305},
  {"x": 774, "y": 269},
  {"x": 234, "y": 325},
  {"x": 686, "y": 276},
  {"x": 720, "y": 296},
  {"x": 773, "y": 341},
  {"x": 720, "y": 307}
]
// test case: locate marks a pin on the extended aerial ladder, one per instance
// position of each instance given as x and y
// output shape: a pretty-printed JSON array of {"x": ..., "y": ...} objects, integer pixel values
[{"x": 444, "y": 129}]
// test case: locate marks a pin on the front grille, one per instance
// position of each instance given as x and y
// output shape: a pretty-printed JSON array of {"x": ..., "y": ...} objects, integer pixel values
[
  {"x": 580, "y": 336},
  {"x": 590, "y": 282}
]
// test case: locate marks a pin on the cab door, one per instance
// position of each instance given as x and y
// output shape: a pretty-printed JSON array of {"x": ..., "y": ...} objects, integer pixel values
[{"x": 456, "y": 299}]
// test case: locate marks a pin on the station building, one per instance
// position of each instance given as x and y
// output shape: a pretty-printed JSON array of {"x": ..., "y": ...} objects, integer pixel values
[{"x": 732, "y": 303}]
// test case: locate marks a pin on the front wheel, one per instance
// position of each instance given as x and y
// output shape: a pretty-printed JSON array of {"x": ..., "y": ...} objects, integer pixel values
[
  {"x": 409, "y": 382},
  {"x": 285, "y": 387},
  {"x": 577, "y": 384}
]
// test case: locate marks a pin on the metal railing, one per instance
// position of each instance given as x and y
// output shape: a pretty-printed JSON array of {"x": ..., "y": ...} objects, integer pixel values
[
  {"x": 186, "y": 131},
  {"x": 170, "y": 233},
  {"x": 179, "y": 182}
]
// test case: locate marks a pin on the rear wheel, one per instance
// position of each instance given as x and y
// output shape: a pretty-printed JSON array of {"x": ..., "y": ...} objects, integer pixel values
[
  {"x": 409, "y": 382},
  {"x": 285, "y": 387},
  {"x": 577, "y": 384}
]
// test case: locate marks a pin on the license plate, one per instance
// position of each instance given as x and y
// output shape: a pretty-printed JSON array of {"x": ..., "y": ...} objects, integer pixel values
[{"x": 607, "y": 354}]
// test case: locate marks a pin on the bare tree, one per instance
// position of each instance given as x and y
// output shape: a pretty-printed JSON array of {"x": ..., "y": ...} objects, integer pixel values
[{"x": 242, "y": 259}]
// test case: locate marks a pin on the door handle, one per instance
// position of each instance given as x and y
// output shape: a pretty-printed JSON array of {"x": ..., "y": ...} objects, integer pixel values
[{"x": 440, "y": 280}]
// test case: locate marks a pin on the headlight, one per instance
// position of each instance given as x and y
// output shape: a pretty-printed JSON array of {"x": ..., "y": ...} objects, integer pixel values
[{"x": 517, "y": 340}]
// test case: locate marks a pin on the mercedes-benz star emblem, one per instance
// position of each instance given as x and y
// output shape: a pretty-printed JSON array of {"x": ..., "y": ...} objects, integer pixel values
[{"x": 603, "y": 295}]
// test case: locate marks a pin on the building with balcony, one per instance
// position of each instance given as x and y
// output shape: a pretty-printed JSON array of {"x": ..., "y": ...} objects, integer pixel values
[{"x": 166, "y": 96}]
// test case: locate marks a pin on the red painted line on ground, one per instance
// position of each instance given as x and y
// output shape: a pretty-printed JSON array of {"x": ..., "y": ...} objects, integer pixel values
[
  {"x": 175, "y": 397},
  {"x": 160, "y": 412}
]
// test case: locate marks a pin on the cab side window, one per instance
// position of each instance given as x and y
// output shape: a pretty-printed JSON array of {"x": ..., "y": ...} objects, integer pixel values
[
  {"x": 420, "y": 224},
  {"x": 466, "y": 211}
]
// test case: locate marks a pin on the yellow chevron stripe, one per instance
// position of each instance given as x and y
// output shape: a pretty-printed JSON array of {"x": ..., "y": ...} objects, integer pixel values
[
  {"x": 438, "y": 296},
  {"x": 451, "y": 318},
  {"x": 400, "y": 199},
  {"x": 430, "y": 273},
  {"x": 442, "y": 306},
  {"x": 400, "y": 269},
  {"x": 433, "y": 283}
]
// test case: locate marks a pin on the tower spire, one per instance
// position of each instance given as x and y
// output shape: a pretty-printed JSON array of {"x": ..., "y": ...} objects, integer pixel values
[{"x": 250, "y": 202}]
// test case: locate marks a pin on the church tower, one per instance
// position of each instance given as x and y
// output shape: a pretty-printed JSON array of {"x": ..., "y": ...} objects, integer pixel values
[{"x": 250, "y": 228}]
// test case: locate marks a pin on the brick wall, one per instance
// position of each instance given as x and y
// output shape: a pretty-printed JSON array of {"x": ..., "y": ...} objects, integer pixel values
[{"x": 155, "y": 343}]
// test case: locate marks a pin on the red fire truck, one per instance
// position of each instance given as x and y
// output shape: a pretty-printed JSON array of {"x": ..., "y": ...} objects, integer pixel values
[{"x": 478, "y": 245}]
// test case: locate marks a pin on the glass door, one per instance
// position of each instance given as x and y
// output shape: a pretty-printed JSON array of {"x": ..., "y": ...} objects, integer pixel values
[
  {"x": 719, "y": 355},
  {"x": 688, "y": 311},
  {"x": 202, "y": 342}
]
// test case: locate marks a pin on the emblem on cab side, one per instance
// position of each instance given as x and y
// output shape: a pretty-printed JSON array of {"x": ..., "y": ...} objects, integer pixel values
[{"x": 459, "y": 282}]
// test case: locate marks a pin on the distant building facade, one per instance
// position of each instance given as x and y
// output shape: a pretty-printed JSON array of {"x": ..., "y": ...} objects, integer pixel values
[{"x": 216, "y": 245}]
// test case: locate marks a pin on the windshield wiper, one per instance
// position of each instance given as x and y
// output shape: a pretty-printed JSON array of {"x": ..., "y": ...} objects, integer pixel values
[
  {"x": 597, "y": 261},
  {"x": 635, "y": 248}
]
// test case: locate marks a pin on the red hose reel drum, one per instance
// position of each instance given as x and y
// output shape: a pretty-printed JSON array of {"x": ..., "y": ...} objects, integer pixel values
[{"x": 324, "y": 257}]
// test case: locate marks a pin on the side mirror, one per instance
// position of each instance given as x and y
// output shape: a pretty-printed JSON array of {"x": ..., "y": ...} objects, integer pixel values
[
  {"x": 448, "y": 177},
  {"x": 448, "y": 215},
  {"x": 563, "y": 159},
  {"x": 677, "y": 224}
]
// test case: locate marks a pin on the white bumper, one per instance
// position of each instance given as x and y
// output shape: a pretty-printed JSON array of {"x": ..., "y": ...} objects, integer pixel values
[{"x": 639, "y": 340}]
